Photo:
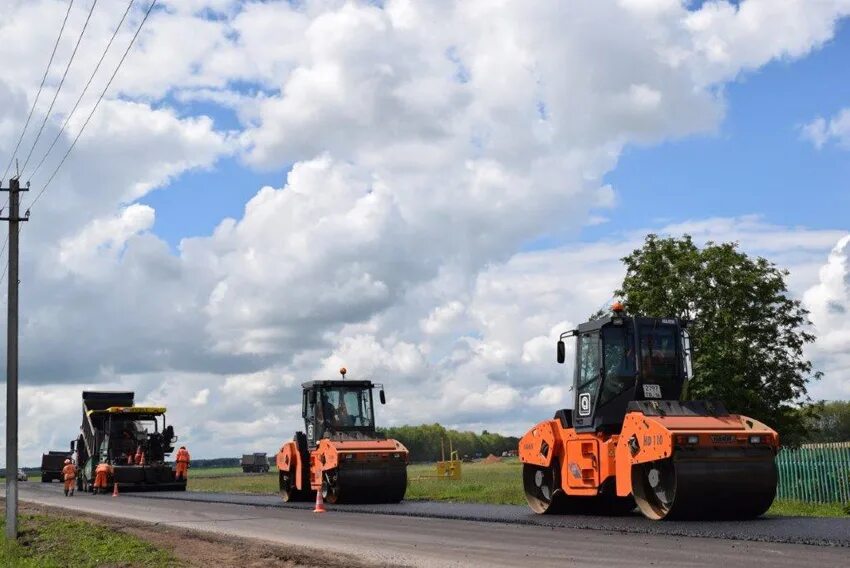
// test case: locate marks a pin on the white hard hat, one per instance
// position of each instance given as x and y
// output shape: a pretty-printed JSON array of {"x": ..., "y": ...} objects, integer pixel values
[{"x": 68, "y": 460}]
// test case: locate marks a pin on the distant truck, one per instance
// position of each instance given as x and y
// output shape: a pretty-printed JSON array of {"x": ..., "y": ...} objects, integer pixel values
[
  {"x": 52, "y": 463},
  {"x": 255, "y": 463},
  {"x": 113, "y": 429}
]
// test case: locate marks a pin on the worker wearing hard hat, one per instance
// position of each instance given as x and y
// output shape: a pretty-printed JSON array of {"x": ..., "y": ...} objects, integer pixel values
[
  {"x": 69, "y": 476},
  {"x": 182, "y": 458},
  {"x": 101, "y": 477}
]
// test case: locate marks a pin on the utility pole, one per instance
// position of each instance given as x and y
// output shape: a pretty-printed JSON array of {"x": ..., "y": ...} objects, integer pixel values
[{"x": 14, "y": 220}]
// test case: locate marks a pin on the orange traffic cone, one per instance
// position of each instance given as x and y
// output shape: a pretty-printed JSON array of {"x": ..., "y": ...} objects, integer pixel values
[
  {"x": 115, "y": 489},
  {"x": 320, "y": 503}
]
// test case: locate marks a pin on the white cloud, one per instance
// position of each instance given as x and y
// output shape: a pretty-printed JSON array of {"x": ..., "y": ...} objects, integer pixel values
[
  {"x": 821, "y": 131},
  {"x": 201, "y": 398},
  {"x": 78, "y": 252},
  {"x": 829, "y": 304},
  {"x": 729, "y": 37}
]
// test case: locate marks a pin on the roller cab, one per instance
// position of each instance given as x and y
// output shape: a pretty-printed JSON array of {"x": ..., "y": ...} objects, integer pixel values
[
  {"x": 629, "y": 439},
  {"x": 340, "y": 453}
]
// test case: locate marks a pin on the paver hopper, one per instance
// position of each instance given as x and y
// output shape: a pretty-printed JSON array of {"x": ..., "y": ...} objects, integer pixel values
[{"x": 113, "y": 429}]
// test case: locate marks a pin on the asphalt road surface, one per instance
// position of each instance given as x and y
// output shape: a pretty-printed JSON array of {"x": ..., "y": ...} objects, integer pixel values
[{"x": 442, "y": 534}]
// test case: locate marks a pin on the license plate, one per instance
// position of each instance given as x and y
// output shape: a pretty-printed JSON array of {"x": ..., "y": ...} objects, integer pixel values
[
  {"x": 722, "y": 439},
  {"x": 652, "y": 391}
]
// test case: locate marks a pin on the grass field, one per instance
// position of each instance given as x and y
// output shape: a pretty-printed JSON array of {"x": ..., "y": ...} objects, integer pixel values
[
  {"x": 215, "y": 471},
  {"x": 48, "y": 542},
  {"x": 497, "y": 483}
]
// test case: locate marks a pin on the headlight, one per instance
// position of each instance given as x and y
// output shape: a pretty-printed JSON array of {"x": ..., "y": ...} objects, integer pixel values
[
  {"x": 348, "y": 456},
  {"x": 755, "y": 439},
  {"x": 693, "y": 439},
  {"x": 396, "y": 455}
]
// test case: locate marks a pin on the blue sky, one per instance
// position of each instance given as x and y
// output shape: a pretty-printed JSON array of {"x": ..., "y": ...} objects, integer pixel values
[{"x": 756, "y": 163}]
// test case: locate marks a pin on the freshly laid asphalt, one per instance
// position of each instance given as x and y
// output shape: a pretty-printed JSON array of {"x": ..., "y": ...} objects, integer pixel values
[
  {"x": 446, "y": 534},
  {"x": 799, "y": 530}
]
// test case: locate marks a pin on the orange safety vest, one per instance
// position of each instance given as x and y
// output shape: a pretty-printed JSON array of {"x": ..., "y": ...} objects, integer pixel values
[
  {"x": 183, "y": 456},
  {"x": 69, "y": 472},
  {"x": 103, "y": 468}
]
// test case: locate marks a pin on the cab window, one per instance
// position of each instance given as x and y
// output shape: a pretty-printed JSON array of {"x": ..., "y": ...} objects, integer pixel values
[
  {"x": 343, "y": 407},
  {"x": 659, "y": 360},
  {"x": 588, "y": 372},
  {"x": 618, "y": 361}
]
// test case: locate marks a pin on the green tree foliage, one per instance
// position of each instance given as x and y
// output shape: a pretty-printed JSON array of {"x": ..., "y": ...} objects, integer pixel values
[
  {"x": 423, "y": 441},
  {"x": 748, "y": 335},
  {"x": 829, "y": 422}
]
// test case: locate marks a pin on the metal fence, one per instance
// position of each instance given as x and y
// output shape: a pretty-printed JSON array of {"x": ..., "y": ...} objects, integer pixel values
[{"x": 815, "y": 473}]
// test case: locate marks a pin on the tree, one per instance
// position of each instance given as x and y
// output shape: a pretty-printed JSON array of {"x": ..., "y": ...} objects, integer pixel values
[
  {"x": 748, "y": 335},
  {"x": 830, "y": 422},
  {"x": 430, "y": 442}
]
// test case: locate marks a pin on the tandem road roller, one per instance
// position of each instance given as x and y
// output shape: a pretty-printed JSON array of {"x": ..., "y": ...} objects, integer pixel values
[
  {"x": 341, "y": 454},
  {"x": 630, "y": 439}
]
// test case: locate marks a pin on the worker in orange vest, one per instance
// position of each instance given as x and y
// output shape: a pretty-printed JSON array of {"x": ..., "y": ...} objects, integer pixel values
[
  {"x": 69, "y": 476},
  {"x": 101, "y": 477},
  {"x": 140, "y": 455},
  {"x": 182, "y": 463}
]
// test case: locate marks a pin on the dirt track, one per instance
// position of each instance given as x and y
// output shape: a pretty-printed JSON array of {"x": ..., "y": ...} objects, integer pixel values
[{"x": 420, "y": 541}]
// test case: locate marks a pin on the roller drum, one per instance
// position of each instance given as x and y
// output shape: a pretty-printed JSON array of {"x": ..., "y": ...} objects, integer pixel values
[
  {"x": 721, "y": 484},
  {"x": 366, "y": 483}
]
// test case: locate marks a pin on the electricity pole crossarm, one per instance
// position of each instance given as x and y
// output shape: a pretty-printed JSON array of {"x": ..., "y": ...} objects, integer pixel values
[{"x": 14, "y": 220}]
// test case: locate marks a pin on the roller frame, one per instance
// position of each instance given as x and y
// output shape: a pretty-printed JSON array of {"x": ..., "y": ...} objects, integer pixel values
[
  {"x": 722, "y": 460},
  {"x": 370, "y": 475}
]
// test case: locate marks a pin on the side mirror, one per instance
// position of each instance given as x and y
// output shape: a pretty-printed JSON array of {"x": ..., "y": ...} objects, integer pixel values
[
  {"x": 382, "y": 396},
  {"x": 562, "y": 351}
]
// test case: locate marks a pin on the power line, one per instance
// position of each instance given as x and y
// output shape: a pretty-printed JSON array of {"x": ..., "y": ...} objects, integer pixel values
[
  {"x": 96, "y": 104},
  {"x": 40, "y": 87},
  {"x": 85, "y": 90},
  {"x": 59, "y": 88}
]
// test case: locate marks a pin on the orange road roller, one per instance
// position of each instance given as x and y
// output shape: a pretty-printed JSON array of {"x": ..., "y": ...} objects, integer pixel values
[
  {"x": 341, "y": 454},
  {"x": 629, "y": 439}
]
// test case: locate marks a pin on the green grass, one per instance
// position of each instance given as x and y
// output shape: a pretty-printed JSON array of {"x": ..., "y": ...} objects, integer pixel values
[
  {"x": 221, "y": 471},
  {"x": 237, "y": 483},
  {"x": 497, "y": 483},
  {"x": 214, "y": 471},
  {"x": 57, "y": 542},
  {"x": 801, "y": 509}
]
